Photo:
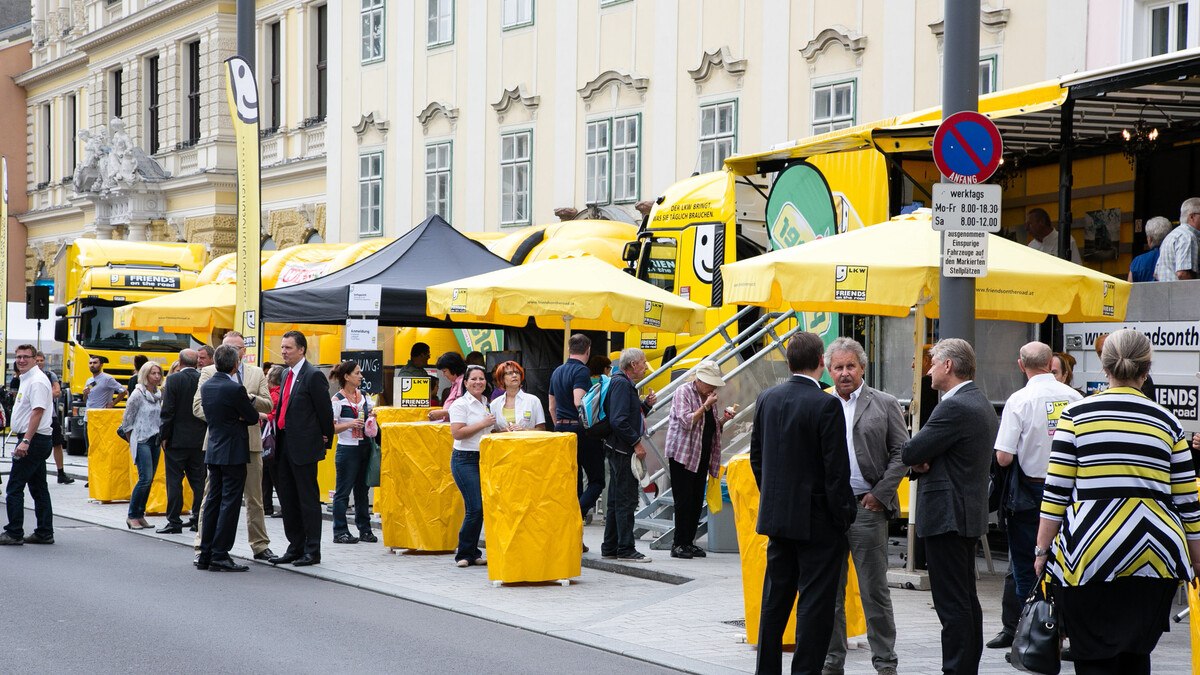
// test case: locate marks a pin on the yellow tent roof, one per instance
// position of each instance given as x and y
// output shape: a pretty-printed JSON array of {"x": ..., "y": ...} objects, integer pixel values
[
  {"x": 885, "y": 269},
  {"x": 196, "y": 311}
]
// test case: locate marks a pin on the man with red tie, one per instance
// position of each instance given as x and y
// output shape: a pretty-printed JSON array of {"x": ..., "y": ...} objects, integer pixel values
[{"x": 304, "y": 425}]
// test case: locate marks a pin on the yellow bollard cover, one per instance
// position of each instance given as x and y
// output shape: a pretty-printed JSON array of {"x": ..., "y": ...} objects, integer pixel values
[
  {"x": 530, "y": 508},
  {"x": 423, "y": 509},
  {"x": 109, "y": 463},
  {"x": 156, "y": 504}
]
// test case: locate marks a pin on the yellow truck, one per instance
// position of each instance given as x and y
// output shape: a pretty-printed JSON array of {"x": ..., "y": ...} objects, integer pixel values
[{"x": 101, "y": 275}]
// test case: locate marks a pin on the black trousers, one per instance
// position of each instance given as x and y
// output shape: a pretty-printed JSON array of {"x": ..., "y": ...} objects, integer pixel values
[
  {"x": 951, "y": 561},
  {"x": 300, "y": 499},
  {"x": 222, "y": 508},
  {"x": 181, "y": 463},
  {"x": 688, "y": 489},
  {"x": 268, "y": 485},
  {"x": 812, "y": 568}
]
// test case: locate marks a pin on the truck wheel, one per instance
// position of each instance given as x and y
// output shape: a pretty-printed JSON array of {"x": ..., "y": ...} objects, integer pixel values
[{"x": 75, "y": 447}]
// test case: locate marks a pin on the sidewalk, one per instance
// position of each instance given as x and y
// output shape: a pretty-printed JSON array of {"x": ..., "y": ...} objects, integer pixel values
[{"x": 688, "y": 617}]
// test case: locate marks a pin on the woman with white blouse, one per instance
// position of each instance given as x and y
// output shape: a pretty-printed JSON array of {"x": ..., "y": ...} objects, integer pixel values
[
  {"x": 142, "y": 419},
  {"x": 516, "y": 410},
  {"x": 470, "y": 421}
]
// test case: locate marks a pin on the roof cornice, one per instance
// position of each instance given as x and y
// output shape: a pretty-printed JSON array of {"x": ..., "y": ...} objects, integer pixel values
[
  {"x": 134, "y": 22},
  {"x": 42, "y": 72}
]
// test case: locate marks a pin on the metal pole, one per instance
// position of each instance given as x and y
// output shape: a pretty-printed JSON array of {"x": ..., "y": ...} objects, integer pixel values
[
  {"x": 245, "y": 31},
  {"x": 960, "y": 91},
  {"x": 1066, "y": 179}
]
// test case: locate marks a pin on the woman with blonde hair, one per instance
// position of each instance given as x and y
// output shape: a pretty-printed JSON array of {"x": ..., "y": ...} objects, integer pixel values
[
  {"x": 141, "y": 422},
  {"x": 1120, "y": 522}
]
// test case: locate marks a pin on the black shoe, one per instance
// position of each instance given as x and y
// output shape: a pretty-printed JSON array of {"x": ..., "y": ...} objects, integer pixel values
[
  {"x": 63, "y": 478},
  {"x": 1067, "y": 655},
  {"x": 265, "y": 554},
  {"x": 284, "y": 559},
  {"x": 36, "y": 538},
  {"x": 368, "y": 537},
  {"x": 200, "y": 563},
  {"x": 192, "y": 525},
  {"x": 277, "y": 514},
  {"x": 226, "y": 565},
  {"x": 697, "y": 552},
  {"x": 608, "y": 556},
  {"x": 681, "y": 552},
  {"x": 345, "y": 538},
  {"x": 170, "y": 529},
  {"x": 1003, "y": 640},
  {"x": 6, "y": 540},
  {"x": 306, "y": 560}
]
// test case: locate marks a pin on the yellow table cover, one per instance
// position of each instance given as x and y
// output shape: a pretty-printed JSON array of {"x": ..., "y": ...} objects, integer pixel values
[
  {"x": 327, "y": 474},
  {"x": 423, "y": 509},
  {"x": 752, "y": 547},
  {"x": 392, "y": 415},
  {"x": 109, "y": 463},
  {"x": 530, "y": 507},
  {"x": 1193, "y": 593},
  {"x": 156, "y": 504}
]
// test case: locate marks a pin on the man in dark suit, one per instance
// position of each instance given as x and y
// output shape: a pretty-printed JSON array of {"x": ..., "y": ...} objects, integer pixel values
[
  {"x": 951, "y": 456},
  {"x": 304, "y": 425},
  {"x": 800, "y": 462},
  {"x": 182, "y": 434},
  {"x": 228, "y": 409}
]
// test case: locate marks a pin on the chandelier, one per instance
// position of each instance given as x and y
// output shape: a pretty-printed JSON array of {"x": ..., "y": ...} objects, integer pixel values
[{"x": 1142, "y": 139}]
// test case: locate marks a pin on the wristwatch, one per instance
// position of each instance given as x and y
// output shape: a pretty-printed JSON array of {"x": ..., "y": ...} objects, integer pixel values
[{"x": 1039, "y": 552}]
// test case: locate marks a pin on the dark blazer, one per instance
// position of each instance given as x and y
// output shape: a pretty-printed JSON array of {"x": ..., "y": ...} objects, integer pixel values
[
  {"x": 958, "y": 442},
  {"x": 799, "y": 458},
  {"x": 879, "y": 436},
  {"x": 228, "y": 410},
  {"x": 309, "y": 421},
  {"x": 623, "y": 408},
  {"x": 180, "y": 428}
]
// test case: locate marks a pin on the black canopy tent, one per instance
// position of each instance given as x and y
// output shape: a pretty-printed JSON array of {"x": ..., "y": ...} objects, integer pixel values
[{"x": 431, "y": 253}]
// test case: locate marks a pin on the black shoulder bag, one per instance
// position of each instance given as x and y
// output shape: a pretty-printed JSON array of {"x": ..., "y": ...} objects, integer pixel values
[{"x": 1037, "y": 644}]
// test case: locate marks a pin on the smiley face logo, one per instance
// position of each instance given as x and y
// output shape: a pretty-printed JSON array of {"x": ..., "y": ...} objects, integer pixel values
[
  {"x": 243, "y": 89},
  {"x": 704, "y": 252}
]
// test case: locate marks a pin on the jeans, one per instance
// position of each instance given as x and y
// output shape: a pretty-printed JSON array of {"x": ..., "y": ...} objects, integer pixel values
[
  {"x": 590, "y": 452},
  {"x": 30, "y": 470},
  {"x": 464, "y": 467},
  {"x": 622, "y": 500},
  {"x": 1022, "y": 537},
  {"x": 146, "y": 461},
  {"x": 868, "y": 546},
  {"x": 351, "y": 463}
]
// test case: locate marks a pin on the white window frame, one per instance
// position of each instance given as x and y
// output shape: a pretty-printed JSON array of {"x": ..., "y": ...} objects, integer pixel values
[
  {"x": 370, "y": 186},
  {"x": 992, "y": 63},
  {"x": 372, "y": 29},
  {"x": 439, "y": 27},
  {"x": 45, "y": 144},
  {"x": 607, "y": 175},
  {"x": 516, "y": 14},
  {"x": 516, "y": 205},
  {"x": 70, "y": 133},
  {"x": 273, "y": 109},
  {"x": 439, "y": 195},
  {"x": 1175, "y": 41},
  {"x": 717, "y": 144},
  {"x": 832, "y": 119}
]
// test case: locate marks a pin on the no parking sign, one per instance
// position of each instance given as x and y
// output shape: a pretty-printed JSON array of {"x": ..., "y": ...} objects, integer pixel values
[{"x": 967, "y": 147}]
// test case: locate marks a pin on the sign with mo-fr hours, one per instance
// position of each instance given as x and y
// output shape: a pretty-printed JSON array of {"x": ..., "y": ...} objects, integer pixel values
[
  {"x": 964, "y": 253},
  {"x": 966, "y": 207}
]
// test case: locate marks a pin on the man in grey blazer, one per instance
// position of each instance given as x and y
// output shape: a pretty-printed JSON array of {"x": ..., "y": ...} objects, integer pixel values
[
  {"x": 875, "y": 435},
  {"x": 951, "y": 456}
]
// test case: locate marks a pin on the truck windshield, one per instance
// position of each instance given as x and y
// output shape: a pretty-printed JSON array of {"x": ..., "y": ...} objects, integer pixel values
[
  {"x": 96, "y": 332},
  {"x": 660, "y": 264}
]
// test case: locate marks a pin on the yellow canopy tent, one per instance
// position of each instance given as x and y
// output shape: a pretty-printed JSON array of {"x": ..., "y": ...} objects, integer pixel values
[
  {"x": 565, "y": 293},
  {"x": 196, "y": 311}
]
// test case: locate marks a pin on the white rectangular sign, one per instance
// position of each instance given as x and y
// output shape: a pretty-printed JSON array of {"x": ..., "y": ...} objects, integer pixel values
[
  {"x": 364, "y": 299},
  {"x": 964, "y": 254},
  {"x": 966, "y": 207},
  {"x": 362, "y": 334}
]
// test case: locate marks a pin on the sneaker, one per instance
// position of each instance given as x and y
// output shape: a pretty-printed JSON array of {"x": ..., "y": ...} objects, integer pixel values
[
  {"x": 345, "y": 538},
  {"x": 6, "y": 540},
  {"x": 36, "y": 538},
  {"x": 635, "y": 557},
  {"x": 368, "y": 537},
  {"x": 697, "y": 552},
  {"x": 681, "y": 552},
  {"x": 463, "y": 564}
]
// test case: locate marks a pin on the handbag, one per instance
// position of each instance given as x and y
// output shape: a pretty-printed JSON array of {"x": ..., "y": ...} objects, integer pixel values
[
  {"x": 123, "y": 434},
  {"x": 268, "y": 439},
  {"x": 373, "y": 463},
  {"x": 1037, "y": 644}
]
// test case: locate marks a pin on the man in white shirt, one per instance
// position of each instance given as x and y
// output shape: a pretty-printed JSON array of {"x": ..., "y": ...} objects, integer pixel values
[
  {"x": 1045, "y": 237},
  {"x": 31, "y": 426},
  {"x": 1026, "y": 430}
]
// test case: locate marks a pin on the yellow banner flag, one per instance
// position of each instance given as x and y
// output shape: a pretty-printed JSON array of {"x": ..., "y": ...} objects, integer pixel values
[
  {"x": 242, "y": 92},
  {"x": 4, "y": 257}
]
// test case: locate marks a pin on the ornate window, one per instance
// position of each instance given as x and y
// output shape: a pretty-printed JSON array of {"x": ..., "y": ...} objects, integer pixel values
[{"x": 516, "y": 167}]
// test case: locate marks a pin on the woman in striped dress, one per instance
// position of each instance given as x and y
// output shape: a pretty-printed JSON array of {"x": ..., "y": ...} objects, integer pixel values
[{"x": 1121, "y": 512}]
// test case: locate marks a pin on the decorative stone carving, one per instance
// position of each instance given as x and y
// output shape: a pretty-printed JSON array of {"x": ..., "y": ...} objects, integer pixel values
[
  {"x": 516, "y": 95},
  {"x": 850, "y": 40},
  {"x": 367, "y": 121},
  {"x": 121, "y": 181},
  {"x": 719, "y": 58},
  {"x": 597, "y": 84},
  {"x": 992, "y": 20},
  {"x": 433, "y": 109}
]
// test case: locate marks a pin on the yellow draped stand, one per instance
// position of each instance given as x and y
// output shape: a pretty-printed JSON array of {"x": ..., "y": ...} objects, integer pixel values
[
  {"x": 111, "y": 472},
  {"x": 421, "y": 507},
  {"x": 390, "y": 415},
  {"x": 530, "y": 509},
  {"x": 752, "y": 547}
]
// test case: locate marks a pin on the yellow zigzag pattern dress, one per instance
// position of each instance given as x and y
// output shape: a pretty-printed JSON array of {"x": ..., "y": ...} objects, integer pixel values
[{"x": 1121, "y": 482}]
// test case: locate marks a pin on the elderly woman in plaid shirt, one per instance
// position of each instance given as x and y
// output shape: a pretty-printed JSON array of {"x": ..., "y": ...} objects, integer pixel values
[{"x": 694, "y": 451}]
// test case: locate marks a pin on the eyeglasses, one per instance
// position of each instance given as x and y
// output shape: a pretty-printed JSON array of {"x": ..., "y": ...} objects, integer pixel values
[{"x": 23, "y": 356}]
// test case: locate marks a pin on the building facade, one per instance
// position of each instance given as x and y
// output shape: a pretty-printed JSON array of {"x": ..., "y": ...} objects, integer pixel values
[
  {"x": 14, "y": 59},
  {"x": 149, "y": 74}
]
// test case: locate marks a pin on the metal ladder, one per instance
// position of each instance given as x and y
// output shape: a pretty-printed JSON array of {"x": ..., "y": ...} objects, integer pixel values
[{"x": 656, "y": 515}]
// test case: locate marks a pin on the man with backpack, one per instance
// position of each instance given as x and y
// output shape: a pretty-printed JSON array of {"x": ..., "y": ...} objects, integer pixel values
[
  {"x": 624, "y": 410},
  {"x": 568, "y": 385}
]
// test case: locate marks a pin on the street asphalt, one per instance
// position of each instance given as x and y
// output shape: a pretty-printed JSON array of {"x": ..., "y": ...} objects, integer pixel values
[{"x": 105, "y": 601}]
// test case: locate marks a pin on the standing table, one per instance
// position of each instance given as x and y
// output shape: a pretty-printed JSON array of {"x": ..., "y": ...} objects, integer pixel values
[{"x": 421, "y": 506}]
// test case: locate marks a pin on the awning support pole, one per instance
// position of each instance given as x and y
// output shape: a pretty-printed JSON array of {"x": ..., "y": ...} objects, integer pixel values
[{"x": 1066, "y": 179}]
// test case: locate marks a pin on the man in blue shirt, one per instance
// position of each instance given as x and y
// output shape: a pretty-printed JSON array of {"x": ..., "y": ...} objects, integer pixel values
[
  {"x": 568, "y": 384},
  {"x": 99, "y": 390}
]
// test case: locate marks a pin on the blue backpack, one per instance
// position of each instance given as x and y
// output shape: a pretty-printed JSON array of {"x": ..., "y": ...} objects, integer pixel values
[{"x": 592, "y": 415}]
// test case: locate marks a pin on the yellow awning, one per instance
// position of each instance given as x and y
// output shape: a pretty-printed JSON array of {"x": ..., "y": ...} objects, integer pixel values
[{"x": 195, "y": 311}]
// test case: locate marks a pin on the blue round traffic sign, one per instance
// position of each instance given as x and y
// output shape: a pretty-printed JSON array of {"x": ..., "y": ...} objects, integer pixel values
[{"x": 967, "y": 147}]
